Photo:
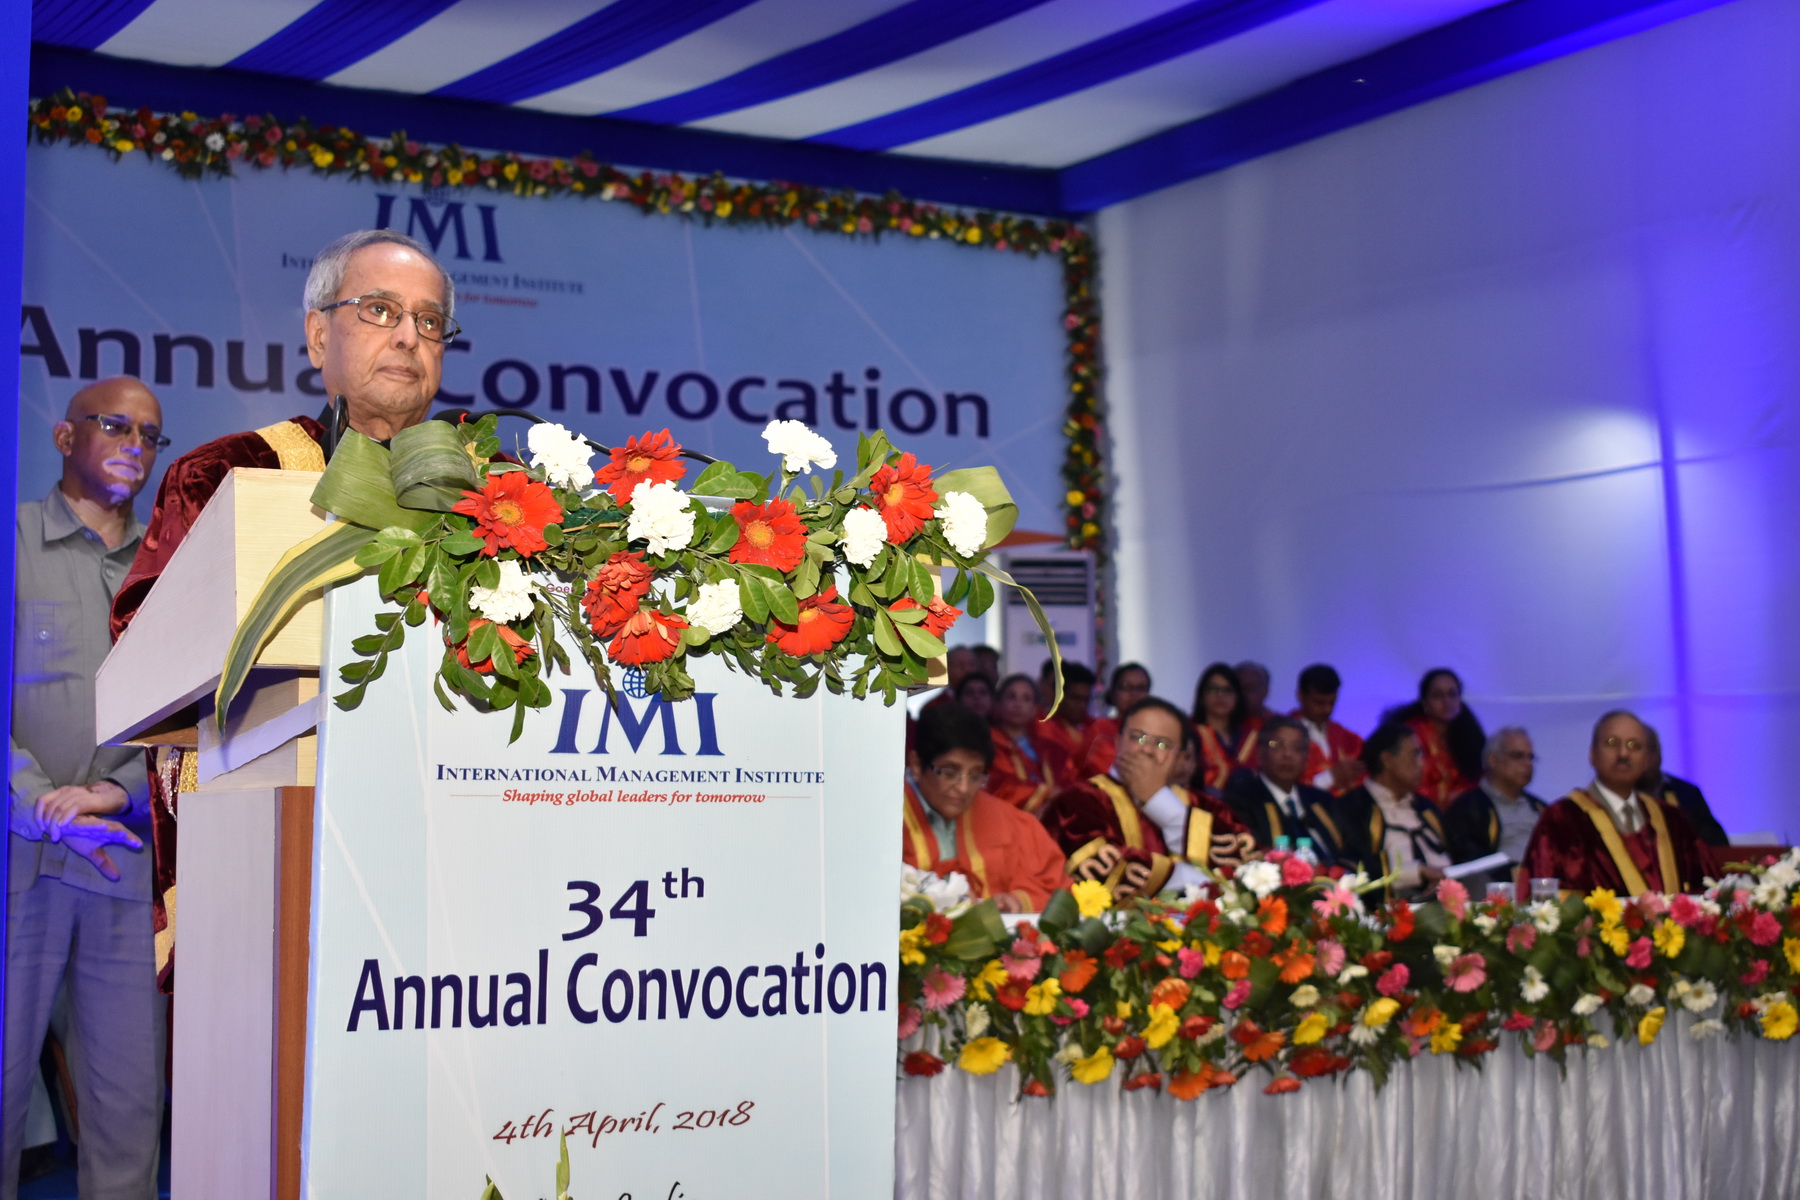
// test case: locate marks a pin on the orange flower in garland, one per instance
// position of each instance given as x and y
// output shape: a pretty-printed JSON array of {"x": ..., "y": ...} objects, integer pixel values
[
  {"x": 511, "y": 509},
  {"x": 939, "y": 616},
  {"x": 1258, "y": 1043},
  {"x": 616, "y": 592},
  {"x": 771, "y": 534},
  {"x": 823, "y": 623},
  {"x": 1079, "y": 969},
  {"x": 521, "y": 648},
  {"x": 647, "y": 636},
  {"x": 653, "y": 458},
  {"x": 904, "y": 496}
]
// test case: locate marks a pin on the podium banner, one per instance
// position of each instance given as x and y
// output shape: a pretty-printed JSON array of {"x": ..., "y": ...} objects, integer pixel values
[{"x": 663, "y": 929}]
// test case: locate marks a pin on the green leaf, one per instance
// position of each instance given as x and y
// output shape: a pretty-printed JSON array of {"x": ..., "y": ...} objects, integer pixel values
[
  {"x": 806, "y": 577},
  {"x": 724, "y": 534},
  {"x": 981, "y": 595},
  {"x": 463, "y": 543},
  {"x": 1037, "y": 614},
  {"x": 908, "y": 616},
  {"x": 374, "y": 554},
  {"x": 959, "y": 587},
  {"x": 921, "y": 582},
  {"x": 358, "y": 485},
  {"x": 1060, "y": 913},
  {"x": 717, "y": 475},
  {"x": 887, "y": 640},
  {"x": 984, "y": 484},
  {"x": 925, "y": 645},
  {"x": 484, "y": 642},
  {"x": 754, "y": 596},
  {"x": 976, "y": 934},
  {"x": 782, "y": 603}
]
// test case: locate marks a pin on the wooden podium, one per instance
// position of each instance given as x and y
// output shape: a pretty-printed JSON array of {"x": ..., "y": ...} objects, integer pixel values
[{"x": 245, "y": 847}]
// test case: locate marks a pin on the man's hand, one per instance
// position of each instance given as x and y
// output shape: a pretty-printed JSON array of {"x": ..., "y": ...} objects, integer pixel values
[
  {"x": 58, "y": 806},
  {"x": 1348, "y": 774},
  {"x": 89, "y": 836},
  {"x": 1142, "y": 774},
  {"x": 1006, "y": 902}
]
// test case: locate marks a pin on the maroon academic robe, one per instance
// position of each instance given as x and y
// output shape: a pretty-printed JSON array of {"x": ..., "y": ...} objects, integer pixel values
[
  {"x": 1096, "y": 818},
  {"x": 1570, "y": 845},
  {"x": 186, "y": 486}
]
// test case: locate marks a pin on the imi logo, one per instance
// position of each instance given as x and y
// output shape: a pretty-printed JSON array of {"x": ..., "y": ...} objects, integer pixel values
[
  {"x": 683, "y": 727},
  {"x": 437, "y": 222}
]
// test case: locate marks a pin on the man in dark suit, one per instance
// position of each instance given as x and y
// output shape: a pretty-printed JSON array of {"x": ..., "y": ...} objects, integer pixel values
[
  {"x": 1274, "y": 803},
  {"x": 1678, "y": 793},
  {"x": 1497, "y": 814}
]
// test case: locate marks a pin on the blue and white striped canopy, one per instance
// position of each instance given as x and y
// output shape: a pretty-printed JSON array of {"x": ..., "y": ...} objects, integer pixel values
[{"x": 1031, "y": 83}]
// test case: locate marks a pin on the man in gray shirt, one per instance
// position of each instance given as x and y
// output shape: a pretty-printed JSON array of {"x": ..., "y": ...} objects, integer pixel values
[
  {"x": 78, "y": 904},
  {"x": 1498, "y": 814}
]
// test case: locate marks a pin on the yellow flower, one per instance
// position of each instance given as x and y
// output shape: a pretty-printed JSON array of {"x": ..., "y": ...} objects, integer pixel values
[
  {"x": 1122, "y": 1009},
  {"x": 910, "y": 941},
  {"x": 1169, "y": 947},
  {"x": 1092, "y": 896},
  {"x": 1447, "y": 1037},
  {"x": 1040, "y": 1001},
  {"x": 454, "y": 176},
  {"x": 1214, "y": 952},
  {"x": 1651, "y": 1025},
  {"x": 1617, "y": 939},
  {"x": 124, "y": 144},
  {"x": 1380, "y": 1012},
  {"x": 388, "y": 160},
  {"x": 1670, "y": 938},
  {"x": 74, "y": 112},
  {"x": 724, "y": 208},
  {"x": 322, "y": 157},
  {"x": 984, "y": 1056},
  {"x": 1606, "y": 905},
  {"x": 991, "y": 977},
  {"x": 1311, "y": 1029},
  {"x": 511, "y": 170},
  {"x": 1779, "y": 1020},
  {"x": 1791, "y": 947},
  {"x": 1074, "y": 497},
  {"x": 974, "y": 235},
  {"x": 1163, "y": 1025},
  {"x": 1094, "y": 1067},
  {"x": 918, "y": 230}
]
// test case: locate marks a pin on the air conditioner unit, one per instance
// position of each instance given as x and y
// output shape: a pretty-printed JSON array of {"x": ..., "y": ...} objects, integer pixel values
[{"x": 1063, "y": 582}]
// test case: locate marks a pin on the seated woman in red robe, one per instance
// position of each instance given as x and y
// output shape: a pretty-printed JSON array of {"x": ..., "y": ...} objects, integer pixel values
[
  {"x": 951, "y": 825},
  {"x": 1451, "y": 738},
  {"x": 1024, "y": 772},
  {"x": 1227, "y": 735},
  {"x": 1136, "y": 829}
]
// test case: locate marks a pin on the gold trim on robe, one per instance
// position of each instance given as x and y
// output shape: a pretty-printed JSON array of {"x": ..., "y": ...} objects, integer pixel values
[{"x": 1635, "y": 883}]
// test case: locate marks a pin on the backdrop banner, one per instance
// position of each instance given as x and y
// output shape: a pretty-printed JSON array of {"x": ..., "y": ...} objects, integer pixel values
[
  {"x": 666, "y": 931},
  {"x": 583, "y": 312}
]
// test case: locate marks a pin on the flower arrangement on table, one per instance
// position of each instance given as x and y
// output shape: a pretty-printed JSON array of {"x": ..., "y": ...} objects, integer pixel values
[
  {"x": 1281, "y": 970},
  {"x": 836, "y": 584}
]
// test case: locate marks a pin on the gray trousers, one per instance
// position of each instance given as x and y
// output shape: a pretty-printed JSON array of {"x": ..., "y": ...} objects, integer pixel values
[{"x": 100, "y": 948}]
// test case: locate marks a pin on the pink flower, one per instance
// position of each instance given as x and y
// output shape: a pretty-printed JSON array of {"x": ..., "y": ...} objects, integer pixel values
[
  {"x": 1740, "y": 897},
  {"x": 1025, "y": 969},
  {"x": 942, "y": 989},
  {"x": 1517, "y": 1022},
  {"x": 1025, "y": 948},
  {"x": 1296, "y": 872},
  {"x": 1652, "y": 905},
  {"x": 1240, "y": 992},
  {"x": 1393, "y": 980},
  {"x": 1335, "y": 901},
  {"x": 1583, "y": 947},
  {"x": 1454, "y": 897},
  {"x": 1466, "y": 971},
  {"x": 1639, "y": 957},
  {"x": 1684, "y": 911},
  {"x": 1759, "y": 971},
  {"x": 909, "y": 1021},
  {"x": 1765, "y": 930},
  {"x": 1192, "y": 961},
  {"x": 1521, "y": 937},
  {"x": 1330, "y": 955},
  {"x": 1546, "y": 1037},
  {"x": 1079, "y": 1006}
]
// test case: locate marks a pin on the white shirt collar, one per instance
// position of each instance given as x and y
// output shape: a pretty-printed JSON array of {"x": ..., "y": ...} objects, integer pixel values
[
  {"x": 1623, "y": 809},
  {"x": 1288, "y": 800}
]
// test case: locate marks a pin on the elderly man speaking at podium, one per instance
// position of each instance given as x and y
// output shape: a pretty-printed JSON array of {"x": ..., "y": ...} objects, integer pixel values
[{"x": 379, "y": 313}]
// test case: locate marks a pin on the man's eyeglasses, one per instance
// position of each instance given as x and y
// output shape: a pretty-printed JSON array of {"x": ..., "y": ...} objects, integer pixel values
[
  {"x": 1137, "y": 738},
  {"x": 432, "y": 325},
  {"x": 951, "y": 776},
  {"x": 1632, "y": 744},
  {"x": 117, "y": 427}
]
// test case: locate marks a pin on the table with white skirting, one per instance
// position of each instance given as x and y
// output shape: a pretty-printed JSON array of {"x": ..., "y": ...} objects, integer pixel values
[{"x": 1677, "y": 1120}]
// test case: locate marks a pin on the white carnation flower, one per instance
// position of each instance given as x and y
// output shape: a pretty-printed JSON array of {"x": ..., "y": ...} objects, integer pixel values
[
  {"x": 1705, "y": 1029},
  {"x": 1445, "y": 953},
  {"x": 1769, "y": 895},
  {"x": 1210, "y": 1036},
  {"x": 1534, "y": 988},
  {"x": 1260, "y": 877},
  {"x": 965, "y": 523},
  {"x": 1070, "y": 1053},
  {"x": 1364, "y": 1035},
  {"x": 1587, "y": 1005},
  {"x": 566, "y": 459},
  {"x": 976, "y": 1019},
  {"x": 717, "y": 607},
  {"x": 1486, "y": 923},
  {"x": 800, "y": 448},
  {"x": 1546, "y": 915},
  {"x": 1305, "y": 996},
  {"x": 660, "y": 515},
  {"x": 1786, "y": 870},
  {"x": 1358, "y": 878},
  {"x": 1696, "y": 997},
  {"x": 1353, "y": 971},
  {"x": 1599, "y": 1041},
  {"x": 864, "y": 532},
  {"x": 947, "y": 893},
  {"x": 1640, "y": 996},
  {"x": 509, "y": 601},
  {"x": 910, "y": 879}
]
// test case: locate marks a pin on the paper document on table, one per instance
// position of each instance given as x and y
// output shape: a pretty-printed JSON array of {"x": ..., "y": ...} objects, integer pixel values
[{"x": 1476, "y": 866}]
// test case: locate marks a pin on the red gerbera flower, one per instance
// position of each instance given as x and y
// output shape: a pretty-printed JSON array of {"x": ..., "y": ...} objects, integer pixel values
[
  {"x": 1148, "y": 1079},
  {"x": 616, "y": 592},
  {"x": 1034, "y": 1087},
  {"x": 511, "y": 509},
  {"x": 771, "y": 534},
  {"x": 903, "y": 495},
  {"x": 653, "y": 458},
  {"x": 823, "y": 623},
  {"x": 939, "y": 616},
  {"x": 922, "y": 1062},
  {"x": 1280, "y": 1084},
  {"x": 521, "y": 648},
  {"x": 647, "y": 636}
]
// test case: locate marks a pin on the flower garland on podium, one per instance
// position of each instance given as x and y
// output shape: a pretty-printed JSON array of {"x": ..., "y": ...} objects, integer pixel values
[
  {"x": 1281, "y": 970},
  {"x": 637, "y": 572}
]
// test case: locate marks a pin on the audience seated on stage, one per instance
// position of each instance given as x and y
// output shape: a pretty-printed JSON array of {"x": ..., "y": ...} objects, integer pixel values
[
  {"x": 1223, "y": 723},
  {"x": 1066, "y": 732},
  {"x": 1274, "y": 802},
  {"x": 1130, "y": 683},
  {"x": 987, "y": 662},
  {"x": 1498, "y": 815},
  {"x": 1334, "y": 755},
  {"x": 1451, "y": 739},
  {"x": 1412, "y": 833},
  {"x": 1253, "y": 677},
  {"x": 959, "y": 664},
  {"x": 1678, "y": 793},
  {"x": 952, "y": 825},
  {"x": 1610, "y": 835},
  {"x": 1023, "y": 773},
  {"x": 1136, "y": 829},
  {"x": 976, "y": 693}
]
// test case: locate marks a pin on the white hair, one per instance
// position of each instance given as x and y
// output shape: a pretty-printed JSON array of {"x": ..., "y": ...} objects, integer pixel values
[
  {"x": 1498, "y": 738},
  {"x": 327, "y": 274}
]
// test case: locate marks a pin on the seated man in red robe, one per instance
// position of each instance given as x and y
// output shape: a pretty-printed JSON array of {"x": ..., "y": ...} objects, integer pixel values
[
  {"x": 954, "y": 826},
  {"x": 1609, "y": 834},
  {"x": 1137, "y": 829},
  {"x": 1334, "y": 754},
  {"x": 1066, "y": 731},
  {"x": 379, "y": 314}
]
